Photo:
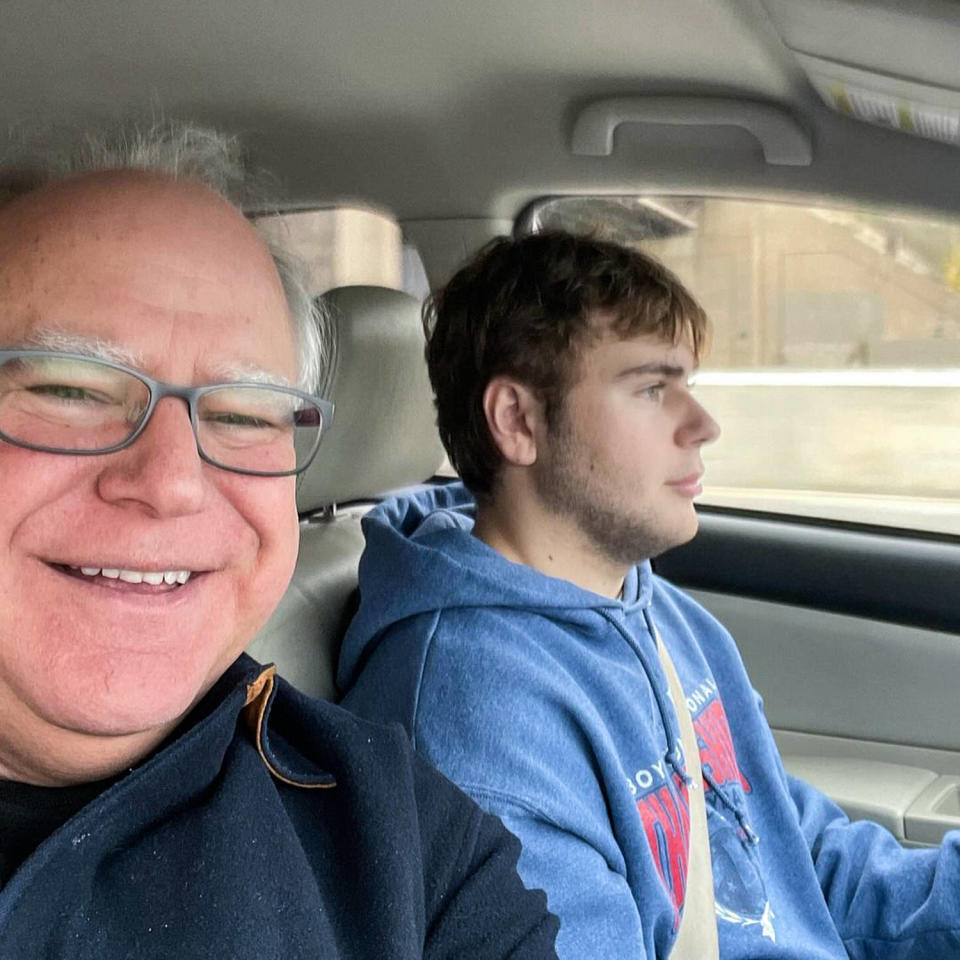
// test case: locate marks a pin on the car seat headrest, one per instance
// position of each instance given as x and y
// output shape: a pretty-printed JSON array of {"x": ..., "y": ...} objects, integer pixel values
[{"x": 383, "y": 434}]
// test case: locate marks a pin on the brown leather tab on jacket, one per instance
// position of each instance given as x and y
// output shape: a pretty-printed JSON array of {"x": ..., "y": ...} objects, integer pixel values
[{"x": 255, "y": 714}]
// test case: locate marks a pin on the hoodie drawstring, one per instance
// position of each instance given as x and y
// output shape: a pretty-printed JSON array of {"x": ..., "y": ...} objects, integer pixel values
[
  {"x": 671, "y": 728},
  {"x": 667, "y": 717}
]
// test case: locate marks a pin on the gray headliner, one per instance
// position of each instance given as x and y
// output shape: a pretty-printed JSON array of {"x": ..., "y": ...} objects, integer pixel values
[{"x": 444, "y": 110}]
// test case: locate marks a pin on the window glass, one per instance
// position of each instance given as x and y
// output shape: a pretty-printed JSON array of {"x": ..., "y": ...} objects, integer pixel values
[
  {"x": 834, "y": 367},
  {"x": 343, "y": 246}
]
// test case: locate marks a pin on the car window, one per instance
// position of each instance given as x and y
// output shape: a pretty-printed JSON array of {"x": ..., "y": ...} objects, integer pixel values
[
  {"x": 344, "y": 246},
  {"x": 834, "y": 366}
]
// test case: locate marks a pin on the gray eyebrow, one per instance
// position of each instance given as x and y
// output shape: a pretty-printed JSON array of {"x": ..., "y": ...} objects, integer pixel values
[
  {"x": 248, "y": 373},
  {"x": 96, "y": 348}
]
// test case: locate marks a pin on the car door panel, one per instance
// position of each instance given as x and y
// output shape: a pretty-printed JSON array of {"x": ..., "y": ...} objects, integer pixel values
[{"x": 853, "y": 639}]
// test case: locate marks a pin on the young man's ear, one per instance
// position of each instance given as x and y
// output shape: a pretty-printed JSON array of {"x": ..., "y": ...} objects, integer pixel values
[{"x": 514, "y": 415}]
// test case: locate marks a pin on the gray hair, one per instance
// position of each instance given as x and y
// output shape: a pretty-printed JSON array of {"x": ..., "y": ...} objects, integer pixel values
[{"x": 185, "y": 151}]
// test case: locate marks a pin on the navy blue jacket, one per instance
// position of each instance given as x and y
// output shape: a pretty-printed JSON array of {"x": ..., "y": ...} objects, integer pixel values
[{"x": 275, "y": 826}]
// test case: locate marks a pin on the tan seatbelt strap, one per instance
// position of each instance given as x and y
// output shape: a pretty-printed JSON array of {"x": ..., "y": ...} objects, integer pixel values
[{"x": 697, "y": 936}]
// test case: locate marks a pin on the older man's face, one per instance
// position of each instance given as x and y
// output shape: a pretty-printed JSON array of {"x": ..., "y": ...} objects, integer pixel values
[{"x": 173, "y": 276}]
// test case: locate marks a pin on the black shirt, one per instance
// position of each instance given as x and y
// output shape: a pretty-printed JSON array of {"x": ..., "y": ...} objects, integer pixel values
[{"x": 29, "y": 814}]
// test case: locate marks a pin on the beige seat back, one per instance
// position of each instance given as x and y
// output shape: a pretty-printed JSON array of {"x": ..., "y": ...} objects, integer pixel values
[{"x": 382, "y": 438}]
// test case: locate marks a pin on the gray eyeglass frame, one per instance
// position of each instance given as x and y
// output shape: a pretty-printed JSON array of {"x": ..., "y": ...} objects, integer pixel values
[{"x": 158, "y": 389}]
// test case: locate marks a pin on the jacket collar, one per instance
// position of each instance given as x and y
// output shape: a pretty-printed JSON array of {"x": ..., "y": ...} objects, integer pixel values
[{"x": 261, "y": 692}]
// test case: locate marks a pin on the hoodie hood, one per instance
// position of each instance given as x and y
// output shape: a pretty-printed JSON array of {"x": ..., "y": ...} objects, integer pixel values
[{"x": 422, "y": 550}]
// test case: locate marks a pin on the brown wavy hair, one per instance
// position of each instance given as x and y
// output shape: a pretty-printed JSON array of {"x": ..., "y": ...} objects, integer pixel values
[{"x": 527, "y": 308}]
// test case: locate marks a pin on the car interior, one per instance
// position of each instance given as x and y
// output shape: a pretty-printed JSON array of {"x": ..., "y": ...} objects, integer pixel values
[{"x": 823, "y": 126}]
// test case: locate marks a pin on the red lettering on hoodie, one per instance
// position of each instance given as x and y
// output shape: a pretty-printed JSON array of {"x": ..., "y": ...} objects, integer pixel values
[
  {"x": 717, "y": 755},
  {"x": 666, "y": 821}
]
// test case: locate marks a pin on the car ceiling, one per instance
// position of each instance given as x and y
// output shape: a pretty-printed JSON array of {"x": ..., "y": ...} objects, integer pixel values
[{"x": 438, "y": 109}]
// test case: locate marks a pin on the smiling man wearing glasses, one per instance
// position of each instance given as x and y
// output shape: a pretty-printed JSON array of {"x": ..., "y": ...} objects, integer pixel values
[{"x": 160, "y": 794}]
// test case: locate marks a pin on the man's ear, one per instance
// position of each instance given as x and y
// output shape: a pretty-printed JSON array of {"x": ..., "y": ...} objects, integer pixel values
[{"x": 513, "y": 414}]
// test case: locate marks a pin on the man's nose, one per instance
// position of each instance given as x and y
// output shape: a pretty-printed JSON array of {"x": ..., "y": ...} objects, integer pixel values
[
  {"x": 698, "y": 426},
  {"x": 161, "y": 472}
]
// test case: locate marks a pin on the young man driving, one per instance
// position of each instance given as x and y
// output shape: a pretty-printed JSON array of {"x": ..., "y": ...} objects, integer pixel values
[{"x": 513, "y": 625}]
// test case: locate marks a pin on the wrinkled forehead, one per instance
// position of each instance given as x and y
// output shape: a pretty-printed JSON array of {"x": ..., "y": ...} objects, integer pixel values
[{"x": 150, "y": 267}]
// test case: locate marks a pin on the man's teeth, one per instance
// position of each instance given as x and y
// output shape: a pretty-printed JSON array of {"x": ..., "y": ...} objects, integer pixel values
[{"x": 154, "y": 578}]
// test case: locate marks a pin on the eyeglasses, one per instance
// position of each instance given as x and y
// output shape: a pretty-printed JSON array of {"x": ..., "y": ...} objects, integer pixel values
[{"x": 69, "y": 403}]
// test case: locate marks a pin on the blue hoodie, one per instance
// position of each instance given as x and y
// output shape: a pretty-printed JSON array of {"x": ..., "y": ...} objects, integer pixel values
[{"x": 547, "y": 703}]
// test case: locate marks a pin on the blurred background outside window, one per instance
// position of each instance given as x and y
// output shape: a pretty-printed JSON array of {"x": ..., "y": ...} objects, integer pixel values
[
  {"x": 834, "y": 367},
  {"x": 343, "y": 246}
]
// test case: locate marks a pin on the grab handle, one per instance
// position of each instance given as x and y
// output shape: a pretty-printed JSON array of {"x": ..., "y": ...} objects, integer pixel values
[{"x": 783, "y": 140}]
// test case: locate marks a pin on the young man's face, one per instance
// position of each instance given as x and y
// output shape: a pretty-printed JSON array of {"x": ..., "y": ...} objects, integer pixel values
[
  {"x": 622, "y": 462},
  {"x": 173, "y": 276}
]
